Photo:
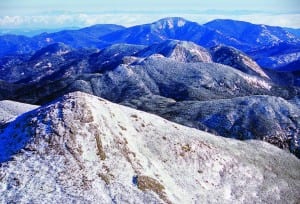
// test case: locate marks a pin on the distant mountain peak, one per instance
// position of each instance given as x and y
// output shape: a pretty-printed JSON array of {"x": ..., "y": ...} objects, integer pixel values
[
  {"x": 170, "y": 23},
  {"x": 172, "y": 19}
]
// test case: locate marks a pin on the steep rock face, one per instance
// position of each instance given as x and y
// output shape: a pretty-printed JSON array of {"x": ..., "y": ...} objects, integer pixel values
[
  {"x": 181, "y": 51},
  {"x": 84, "y": 149},
  {"x": 235, "y": 58}
]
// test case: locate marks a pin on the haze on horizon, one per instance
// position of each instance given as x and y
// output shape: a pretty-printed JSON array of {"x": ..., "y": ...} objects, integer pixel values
[{"x": 74, "y": 13}]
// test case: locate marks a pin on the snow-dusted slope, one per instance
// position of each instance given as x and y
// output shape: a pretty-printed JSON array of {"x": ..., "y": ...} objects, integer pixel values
[
  {"x": 182, "y": 51},
  {"x": 11, "y": 109},
  {"x": 253, "y": 34},
  {"x": 267, "y": 118},
  {"x": 83, "y": 149},
  {"x": 237, "y": 59}
]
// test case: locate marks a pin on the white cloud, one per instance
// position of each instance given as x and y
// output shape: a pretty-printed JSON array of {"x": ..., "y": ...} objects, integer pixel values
[
  {"x": 129, "y": 19},
  {"x": 284, "y": 20}
]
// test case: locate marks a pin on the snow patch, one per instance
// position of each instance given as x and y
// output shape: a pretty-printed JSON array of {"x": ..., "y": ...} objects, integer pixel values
[
  {"x": 48, "y": 40},
  {"x": 62, "y": 52},
  {"x": 38, "y": 64},
  {"x": 181, "y": 23},
  {"x": 256, "y": 82}
]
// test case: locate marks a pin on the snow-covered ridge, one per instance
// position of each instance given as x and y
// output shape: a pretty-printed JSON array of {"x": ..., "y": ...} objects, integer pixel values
[
  {"x": 169, "y": 23},
  {"x": 258, "y": 83},
  {"x": 181, "y": 51},
  {"x": 84, "y": 149},
  {"x": 11, "y": 109},
  {"x": 237, "y": 59}
]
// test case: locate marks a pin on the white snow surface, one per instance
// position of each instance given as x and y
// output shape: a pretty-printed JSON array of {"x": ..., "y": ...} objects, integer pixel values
[
  {"x": 83, "y": 149},
  {"x": 11, "y": 109},
  {"x": 284, "y": 59},
  {"x": 251, "y": 64},
  {"x": 257, "y": 82}
]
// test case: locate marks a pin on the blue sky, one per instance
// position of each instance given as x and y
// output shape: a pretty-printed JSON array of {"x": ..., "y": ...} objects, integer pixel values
[{"x": 76, "y": 13}]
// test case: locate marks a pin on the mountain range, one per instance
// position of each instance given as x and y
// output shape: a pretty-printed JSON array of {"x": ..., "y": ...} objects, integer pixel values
[
  {"x": 63, "y": 114},
  {"x": 241, "y": 35},
  {"x": 167, "y": 76}
]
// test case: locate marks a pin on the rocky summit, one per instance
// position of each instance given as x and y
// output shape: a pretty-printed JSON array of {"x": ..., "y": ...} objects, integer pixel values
[{"x": 81, "y": 148}]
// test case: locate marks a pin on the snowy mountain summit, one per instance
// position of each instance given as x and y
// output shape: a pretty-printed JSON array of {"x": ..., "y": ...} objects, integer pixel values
[{"x": 83, "y": 149}]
